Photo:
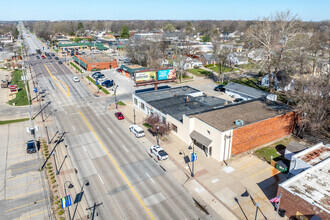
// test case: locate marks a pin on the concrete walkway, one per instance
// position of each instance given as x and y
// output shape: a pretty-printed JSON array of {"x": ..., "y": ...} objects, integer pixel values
[{"x": 221, "y": 189}]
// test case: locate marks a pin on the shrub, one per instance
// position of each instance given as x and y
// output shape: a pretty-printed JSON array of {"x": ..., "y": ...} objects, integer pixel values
[{"x": 61, "y": 212}]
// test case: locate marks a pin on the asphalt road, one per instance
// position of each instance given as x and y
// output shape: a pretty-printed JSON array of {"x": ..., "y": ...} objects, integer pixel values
[{"x": 128, "y": 182}]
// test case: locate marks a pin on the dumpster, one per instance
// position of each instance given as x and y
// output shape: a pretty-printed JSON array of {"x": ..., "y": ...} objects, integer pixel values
[
  {"x": 281, "y": 212},
  {"x": 281, "y": 166}
]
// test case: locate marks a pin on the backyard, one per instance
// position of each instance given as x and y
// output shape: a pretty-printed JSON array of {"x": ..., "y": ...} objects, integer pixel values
[
  {"x": 200, "y": 72},
  {"x": 226, "y": 69}
]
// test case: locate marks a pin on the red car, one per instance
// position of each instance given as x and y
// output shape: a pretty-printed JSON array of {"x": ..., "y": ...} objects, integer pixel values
[
  {"x": 43, "y": 57},
  {"x": 119, "y": 70},
  {"x": 119, "y": 115}
]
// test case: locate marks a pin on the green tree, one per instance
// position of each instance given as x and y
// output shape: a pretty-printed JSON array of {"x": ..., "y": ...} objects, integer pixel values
[
  {"x": 124, "y": 32},
  {"x": 206, "y": 38},
  {"x": 80, "y": 26},
  {"x": 169, "y": 28}
]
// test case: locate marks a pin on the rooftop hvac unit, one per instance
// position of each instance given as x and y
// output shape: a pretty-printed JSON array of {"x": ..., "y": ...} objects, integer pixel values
[{"x": 239, "y": 122}]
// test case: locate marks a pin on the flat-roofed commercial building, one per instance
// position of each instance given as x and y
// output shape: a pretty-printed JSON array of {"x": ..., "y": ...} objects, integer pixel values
[
  {"x": 95, "y": 61},
  {"x": 217, "y": 126}
]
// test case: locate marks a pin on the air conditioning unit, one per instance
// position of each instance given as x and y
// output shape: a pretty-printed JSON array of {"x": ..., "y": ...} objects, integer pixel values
[{"x": 239, "y": 122}]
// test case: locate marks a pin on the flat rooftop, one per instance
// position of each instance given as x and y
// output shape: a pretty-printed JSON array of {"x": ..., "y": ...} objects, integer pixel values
[
  {"x": 177, "y": 106},
  {"x": 249, "y": 111},
  {"x": 96, "y": 58},
  {"x": 312, "y": 184},
  {"x": 165, "y": 92},
  {"x": 315, "y": 156}
]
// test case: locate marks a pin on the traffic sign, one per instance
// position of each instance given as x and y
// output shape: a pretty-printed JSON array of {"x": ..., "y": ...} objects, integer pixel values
[
  {"x": 193, "y": 157},
  {"x": 35, "y": 89},
  {"x": 66, "y": 201}
]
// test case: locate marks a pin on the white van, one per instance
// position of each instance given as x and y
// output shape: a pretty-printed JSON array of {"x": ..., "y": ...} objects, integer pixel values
[{"x": 137, "y": 130}]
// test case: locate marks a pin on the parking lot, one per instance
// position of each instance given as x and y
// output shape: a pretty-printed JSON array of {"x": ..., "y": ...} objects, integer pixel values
[{"x": 24, "y": 193}]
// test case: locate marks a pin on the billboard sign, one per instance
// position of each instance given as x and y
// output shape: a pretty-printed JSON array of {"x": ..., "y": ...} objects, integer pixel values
[
  {"x": 145, "y": 76},
  {"x": 166, "y": 74}
]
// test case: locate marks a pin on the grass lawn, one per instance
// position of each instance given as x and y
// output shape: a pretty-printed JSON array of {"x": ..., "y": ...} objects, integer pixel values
[
  {"x": 251, "y": 82},
  {"x": 21, "y": 97},
  {"x": 200, "y": 72},
  {"x": 75, "y": 67},
  {"x": 13, "y": 121},
  {"x": 225, "y": 68},
  {"x": 121, "y": 103},
  {"x": 247, "y": 66},
  {"x": 268, "y": 151},
  {"x": 99, "y": 86}
]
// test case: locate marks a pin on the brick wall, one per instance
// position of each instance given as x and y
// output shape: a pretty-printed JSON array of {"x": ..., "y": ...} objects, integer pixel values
[
  {"x": 251, "y": 136},
  {"x": 102, "y": 66},
  {"x": 292, "y": 204}
]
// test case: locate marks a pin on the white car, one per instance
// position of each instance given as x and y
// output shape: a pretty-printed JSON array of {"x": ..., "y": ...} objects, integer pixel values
[
  {"x": 102, "y": 78},
  {"x": 137, "y": 131},
  {"x": 76, "y": 79},
  {"x": 158, "y": 152}
]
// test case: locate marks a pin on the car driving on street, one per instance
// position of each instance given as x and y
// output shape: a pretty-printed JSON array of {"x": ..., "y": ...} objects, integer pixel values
[
  {"x": 119, "y": 115},
  {"x": 158, "y": 152},
  {"x": 137, "y": 131},
  {"x": 76, "y": 79}
]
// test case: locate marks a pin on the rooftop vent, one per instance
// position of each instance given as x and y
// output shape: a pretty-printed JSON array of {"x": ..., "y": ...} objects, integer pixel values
[{"x": 239, "y": 122}]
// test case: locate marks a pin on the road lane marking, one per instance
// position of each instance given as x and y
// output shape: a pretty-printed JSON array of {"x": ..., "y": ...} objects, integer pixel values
[
  {"x": 20, "y": 161},
  {"x": 33, "y": 215},
  {"x": 119, "y": 170},
  {"x": 150, "y": 177},
  {"x": 8, "y": 210},
  {"x": 100, "y": 178},
  {"x": 25, "y": 194},
  {"x": 23, "y": 184},
  {"x": 264, "y": 170},
  {"x": 249, "y": 164},
  {"x": 23, "y": 168},
  {"x": 84, "y": 148},
  {"x": 125, "y": 148},
  {"x": 17, "y": 177},
  {"x": 55, "y": 79},
  {"x": 73, "y": 128},
  {"x": 110, "y": 130}
]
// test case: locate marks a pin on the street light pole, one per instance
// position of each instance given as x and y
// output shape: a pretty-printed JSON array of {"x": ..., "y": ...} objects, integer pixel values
[
  {"x": 116, "y": 96},
  {"x": 47, "y": 133},
  {"x": 193, "y": 162},
  {"x": 257, "y": 211},
  {"x": 70, "y": 186},
  {"x": 157, "y": 135},
  {"x": 134, "y": 115}
]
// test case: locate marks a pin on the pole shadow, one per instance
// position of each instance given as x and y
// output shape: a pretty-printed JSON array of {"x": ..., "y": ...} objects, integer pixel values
[
  {"x": 239, "y": 205},
  {"x": 59, "y": 170}
]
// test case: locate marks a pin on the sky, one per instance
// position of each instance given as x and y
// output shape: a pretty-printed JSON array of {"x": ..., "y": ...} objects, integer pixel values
[{"x": 307, "y": 10}]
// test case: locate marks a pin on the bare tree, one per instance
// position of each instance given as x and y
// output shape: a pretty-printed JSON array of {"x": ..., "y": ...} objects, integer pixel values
[
  {"x": 222, "y": 54},
  {"x": 154, "y": 121},
  {"x": 274, "y": 34}
]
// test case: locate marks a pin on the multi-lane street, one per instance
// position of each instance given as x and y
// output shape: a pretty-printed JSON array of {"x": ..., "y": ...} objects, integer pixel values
[{"x": 123, "y": 177}]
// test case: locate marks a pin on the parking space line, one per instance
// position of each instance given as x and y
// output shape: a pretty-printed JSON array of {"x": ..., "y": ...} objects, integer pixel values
[
  {"x": 150, "y": 177},
  {"x": 264, "y": 170},
  {"x": 23, "y": 184},
  {"x": 21, "y": 161},
  {"x": 16, "y": 149},
  {"x": 25, "y": 205},
  {"x": 249, "y": 165},
  {"x": 16, "y": 177},
  {"x": 16, "y": 144},
  {"x": 33, "y": 215},
  {"x": 24, "y": 167},
  {"x": 25, "y": 194}
]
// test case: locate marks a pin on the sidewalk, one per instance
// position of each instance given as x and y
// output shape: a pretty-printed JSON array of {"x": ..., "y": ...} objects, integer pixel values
[{"x": 221, "y": 191}]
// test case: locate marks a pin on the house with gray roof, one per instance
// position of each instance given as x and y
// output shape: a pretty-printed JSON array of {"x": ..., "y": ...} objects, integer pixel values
[{"x": 237, "y": 90}]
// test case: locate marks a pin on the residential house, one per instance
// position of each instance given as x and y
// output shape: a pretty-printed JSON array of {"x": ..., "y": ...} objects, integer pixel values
[
  {"x": 282, "y": 81},
  {"x": 190, "y": 63},
  {"x": 237, "y": 90},
  {"x": 257, "y": 55},
  {"x": 237, "y": 59},
  {"x": 209, "y": 58}
]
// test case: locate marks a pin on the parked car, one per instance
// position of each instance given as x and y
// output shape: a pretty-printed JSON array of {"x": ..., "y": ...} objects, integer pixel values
[
  {"x": 107, "y": 83},
  {"x": 158, "y": 152},
  {"x": 59, "y": 62},
  {"x": 49, "y": 57},
  {"x": 101, "y": 78},
  {"x": 119, "y": 70},
  {"x": 56, "y": 58},
  {"x": 37, "y": 57},
  {"x": 238, "y": 100},
  {"x": 43, "y": 57},
  {"x": 137, "y": 131},
  {"x": 96, "y": 74},
  {"x": 31, "y": 147},
  {"x": 76, "y": 79},
  {"x": 53, "y": 54},
  {"x": 119, "y": 115},
  {"x": 219, "y": 88}
]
